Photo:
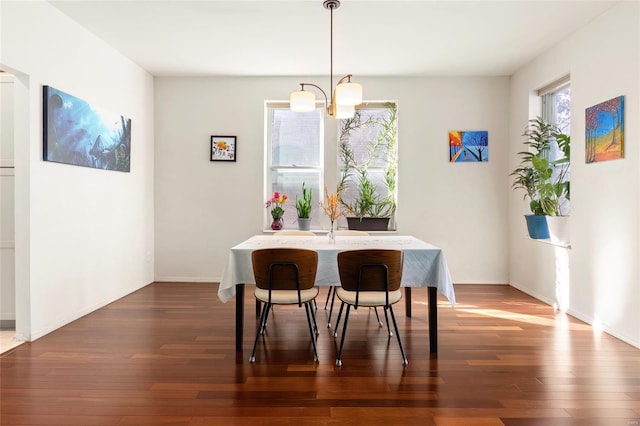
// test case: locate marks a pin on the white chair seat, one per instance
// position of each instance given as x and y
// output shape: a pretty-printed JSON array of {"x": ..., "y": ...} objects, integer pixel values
[
  {"x": 286, "y": 297},
  {"x": 368, "y": 298}
]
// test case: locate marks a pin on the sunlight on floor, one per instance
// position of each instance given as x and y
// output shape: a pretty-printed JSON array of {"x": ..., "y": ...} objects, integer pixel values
[
  {"x": 531, "y": 319},
  {"x": 7, "y": 341}
]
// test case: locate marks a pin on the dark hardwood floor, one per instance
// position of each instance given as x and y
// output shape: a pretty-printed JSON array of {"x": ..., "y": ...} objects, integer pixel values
[{"x": 166, "y": 355}]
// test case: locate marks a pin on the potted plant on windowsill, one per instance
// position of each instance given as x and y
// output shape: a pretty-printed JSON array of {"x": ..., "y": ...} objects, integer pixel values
[
  {"x": 303, "y": 206},
  {"x": 535, "y": 175},
  {"x": 371, "y": 211},
  {"x": 370, "y": 206}
]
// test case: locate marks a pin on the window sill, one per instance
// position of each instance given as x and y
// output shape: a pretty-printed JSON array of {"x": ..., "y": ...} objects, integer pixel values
[{"x": 552, "y": 243}]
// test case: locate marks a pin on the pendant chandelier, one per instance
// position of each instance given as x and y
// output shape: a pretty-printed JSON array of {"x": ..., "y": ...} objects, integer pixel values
[{"x": 344, "y": 97}]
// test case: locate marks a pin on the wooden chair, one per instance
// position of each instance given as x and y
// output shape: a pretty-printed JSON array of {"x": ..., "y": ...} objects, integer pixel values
[
  {"x": 369, "y": 278},
  {"x": 286, "y": 232},
  {"x": 285, "y": 276},
  {"x": 294, "y": 232},
  {"x": 331, "y": 294}
]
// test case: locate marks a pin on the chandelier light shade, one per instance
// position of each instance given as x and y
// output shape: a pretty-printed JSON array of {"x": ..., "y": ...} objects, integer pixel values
[
  {"x": 345, "y": 111},
  {"x": 302, "y": 101},
  {"x": 344, "y": 98},
  {"x": 349, "y": 94}
]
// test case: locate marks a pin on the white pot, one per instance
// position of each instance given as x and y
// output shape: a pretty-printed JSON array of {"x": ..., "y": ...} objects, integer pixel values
[{"x": 559, "y": 229}]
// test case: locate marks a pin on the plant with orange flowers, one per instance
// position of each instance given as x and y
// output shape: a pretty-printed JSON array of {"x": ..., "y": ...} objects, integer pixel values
[
  {"x": 332, "y": 206},
  {"x": 276, "y": 203}
]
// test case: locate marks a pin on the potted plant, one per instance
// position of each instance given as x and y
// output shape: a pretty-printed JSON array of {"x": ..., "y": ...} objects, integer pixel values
[
  {"x": 303, "y": 206},
  {"x": 535, "y": 175},
  {"x": 370, "y": 206},
  {"x": 275, "y": 204},
  {"x": 559, "y": 223}
]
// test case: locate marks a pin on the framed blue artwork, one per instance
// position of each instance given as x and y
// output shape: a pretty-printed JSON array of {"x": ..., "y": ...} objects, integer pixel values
[
  {"x": 468, "y": 146},
  {"x": 80, "y": 134}
]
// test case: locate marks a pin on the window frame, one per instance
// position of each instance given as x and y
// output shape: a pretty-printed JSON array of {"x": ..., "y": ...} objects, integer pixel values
[
  {"x": 549, "y": 113},
  {"x": 378, "y": 168},
  {"x": 269, "y": 167}
]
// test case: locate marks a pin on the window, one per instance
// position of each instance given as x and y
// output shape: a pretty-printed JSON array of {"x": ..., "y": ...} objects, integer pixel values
[
  {"x": 367, "y": 150},
  {"x": 368, "y": 161},
  {"x": 294, "y": 155},
  {"x": 556, "y": 109}
]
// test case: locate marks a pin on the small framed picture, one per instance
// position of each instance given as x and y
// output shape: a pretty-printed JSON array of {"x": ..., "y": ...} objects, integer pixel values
[{"x": 223, "y": 148}]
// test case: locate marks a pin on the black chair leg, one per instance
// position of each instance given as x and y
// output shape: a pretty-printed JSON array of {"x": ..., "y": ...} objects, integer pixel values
[
  {"x": 344, "y": 333},
  {"x": 375, "y": 308},
  {"x": 309, "y": 309},
  {"x": 315, "y": 324},
  {"x": 267, "y": 308},
  {"x": 335, "y": 330},
  {"x": 386, "y": 318},
  {"x": 331, "y": 291},
  {"x": 395, "y": 326},
  {"x": 263, "y": 319},
  {"x": 333, "y": 299}
]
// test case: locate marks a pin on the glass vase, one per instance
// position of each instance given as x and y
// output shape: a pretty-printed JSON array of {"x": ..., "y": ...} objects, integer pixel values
[
  {"x": 277, "y": 224},
  {"x": 332, "y": 233}
]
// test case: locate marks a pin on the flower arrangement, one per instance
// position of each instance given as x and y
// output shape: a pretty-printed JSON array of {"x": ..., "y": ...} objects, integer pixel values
[
  {"x": 332, "y": 206},
  {"x": 333, "y": 209},
  {"x": 275, "y": 203}
]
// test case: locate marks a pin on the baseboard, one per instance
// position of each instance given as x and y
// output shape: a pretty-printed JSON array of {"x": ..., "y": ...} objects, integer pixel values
[
  {"x": 187, "y": 279},
  {"x": 36, "y": 334},
  {"x": 581, "y": 316}
]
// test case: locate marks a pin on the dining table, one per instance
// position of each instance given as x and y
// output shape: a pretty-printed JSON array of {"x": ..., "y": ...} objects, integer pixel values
[{"x": 424, "y": 265}]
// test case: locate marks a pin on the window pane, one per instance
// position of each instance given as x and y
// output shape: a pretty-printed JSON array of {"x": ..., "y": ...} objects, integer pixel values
[
  {"x": 364, "y": 133},
  {"x": 368, "y": 154},
  {"x": 295, "y": 137},
  {"x": 557, "y": 110},
  {"x": 563, "y": 109},
  {"x": 289, "y": 181}
]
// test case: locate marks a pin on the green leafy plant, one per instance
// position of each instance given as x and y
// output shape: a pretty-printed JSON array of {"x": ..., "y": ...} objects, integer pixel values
[
  {"x": 535, "y": 174},
  {"x": 303, "y": 205},
  {"x": 381, "y": 148}
]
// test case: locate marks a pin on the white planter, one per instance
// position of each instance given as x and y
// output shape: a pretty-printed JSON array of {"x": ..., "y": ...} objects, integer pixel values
[
  {"x": 559, "y": 229},
  {"x": 304, "y": 224}
]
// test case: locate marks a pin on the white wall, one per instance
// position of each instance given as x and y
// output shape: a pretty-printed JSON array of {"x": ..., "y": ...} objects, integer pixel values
[
  {"x": 84, "y": 237},
  {"x": 7, "y": 185},
  {"x": 603, "y": 59},
  {"x": 204, "y": 208}
]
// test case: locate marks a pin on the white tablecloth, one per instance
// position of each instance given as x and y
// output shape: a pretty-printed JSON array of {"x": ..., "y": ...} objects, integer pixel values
[{"x": 424, "y": 264}]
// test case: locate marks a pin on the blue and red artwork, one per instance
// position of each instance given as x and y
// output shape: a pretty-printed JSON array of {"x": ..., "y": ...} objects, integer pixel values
[
  {"x": 604, "y": 138},
  {"x": 468, "y": 146}
]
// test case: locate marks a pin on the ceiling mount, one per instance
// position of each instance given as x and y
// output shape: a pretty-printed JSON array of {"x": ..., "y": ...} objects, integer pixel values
[{"x": 331, "y": 4}]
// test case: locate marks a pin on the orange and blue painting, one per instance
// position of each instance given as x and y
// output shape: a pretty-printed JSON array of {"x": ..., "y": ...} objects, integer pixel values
[
  {"x": 604, "y": 138},
  {"x": 468, "y": 146}
]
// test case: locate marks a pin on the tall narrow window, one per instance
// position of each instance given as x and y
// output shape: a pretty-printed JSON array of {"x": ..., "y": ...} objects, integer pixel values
[
  {"x": 556, "y": 109},
  {"x": 294, "y": 156},
  {"x": 368, "y": 161}
]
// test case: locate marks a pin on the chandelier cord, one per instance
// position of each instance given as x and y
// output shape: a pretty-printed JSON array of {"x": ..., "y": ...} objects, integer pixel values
[{"x": 331, "y": 7}]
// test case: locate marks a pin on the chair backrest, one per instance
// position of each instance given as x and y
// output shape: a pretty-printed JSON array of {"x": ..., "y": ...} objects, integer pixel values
[
  {"x": 294, "y": 232},
  {"x": 352, "y": 233},
  {"x": 284, "y": 268},
  {"x": 370, "y": 269}
]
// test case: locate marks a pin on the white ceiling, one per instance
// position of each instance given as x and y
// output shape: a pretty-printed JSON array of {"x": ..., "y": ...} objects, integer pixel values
[{"x": 371, "y": 38}]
